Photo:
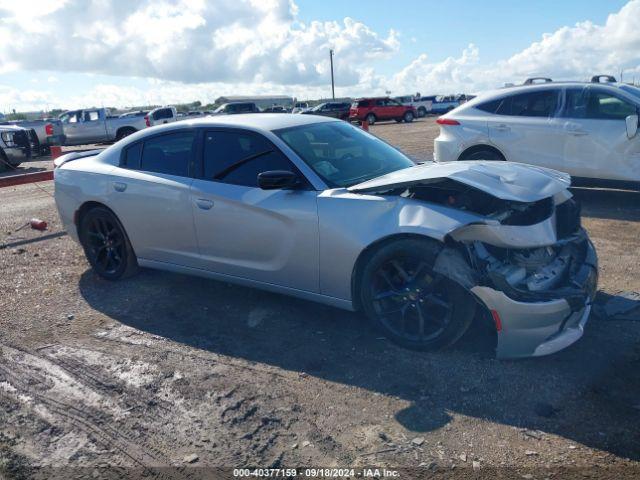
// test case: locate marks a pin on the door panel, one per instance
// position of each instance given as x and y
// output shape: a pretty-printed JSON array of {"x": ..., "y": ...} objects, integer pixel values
[
  {"x": 596, "y": 142},
  {"x": 265, "y": 235},
  {"x": 156, "y": 212},
  {"x": 92, "y": 127},
  {"x": 527, "y": 130},
  {"x": 536, "y": 141}
]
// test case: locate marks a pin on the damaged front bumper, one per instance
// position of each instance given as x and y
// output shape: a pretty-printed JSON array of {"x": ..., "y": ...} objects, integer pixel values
[{"x": 536, "y": 323}]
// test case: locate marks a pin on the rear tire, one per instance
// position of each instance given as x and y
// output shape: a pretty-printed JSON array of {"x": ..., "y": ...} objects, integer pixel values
[
  {"x": 107, "y": 245},
  {"x": 482, "y": 153},
  {"x": 124, "y": 132},
  {"x": 422, "y": 112},
  {"x": 410, "y": 303},
  {"x": 408, "y": 117},
  {"x": 370, "y": 118}
]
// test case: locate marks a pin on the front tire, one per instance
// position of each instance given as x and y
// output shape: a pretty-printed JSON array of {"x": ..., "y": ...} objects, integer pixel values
[
  {"x": 106, "y": 245},
  {"x": 410, "y": 303},
  {"x": 422, "y": 112}
]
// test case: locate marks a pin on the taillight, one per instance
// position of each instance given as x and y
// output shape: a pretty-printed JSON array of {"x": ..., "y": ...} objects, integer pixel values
[
  {"x": 146, "y": 120},
  {"x": 48, "y": 129},
  {"x": 447, "y": 121}
]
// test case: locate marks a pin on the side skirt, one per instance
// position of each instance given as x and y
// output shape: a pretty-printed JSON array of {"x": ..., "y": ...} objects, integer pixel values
[{"x": 270, "y": 287}]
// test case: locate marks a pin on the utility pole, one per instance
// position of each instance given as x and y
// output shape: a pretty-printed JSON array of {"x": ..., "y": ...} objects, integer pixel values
[{"x": 333, "y": 91}]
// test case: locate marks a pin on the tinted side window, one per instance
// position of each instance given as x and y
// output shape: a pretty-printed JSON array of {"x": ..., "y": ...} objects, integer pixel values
[
  {"x": 131, "y": 157},
  {"x": 542, "y": 103},
  {"x": 170, "y": 153},
  {"x": 491, "y": 106},
  {"x": 162, "y": 113},
  {"x": 593, "y": 104},
  {"x": 238, "y": 158}
]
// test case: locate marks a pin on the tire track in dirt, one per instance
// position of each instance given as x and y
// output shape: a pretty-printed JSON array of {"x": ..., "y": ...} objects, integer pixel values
[{"x": 20, "y": 376}]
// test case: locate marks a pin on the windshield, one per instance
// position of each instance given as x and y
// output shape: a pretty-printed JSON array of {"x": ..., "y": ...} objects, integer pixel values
[
  {"x": 342, "y": 154},
  {"x": 635, "y": 91}
]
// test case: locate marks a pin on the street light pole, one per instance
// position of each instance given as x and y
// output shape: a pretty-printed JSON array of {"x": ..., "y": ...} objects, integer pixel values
[{"x": 333, "y": 92}]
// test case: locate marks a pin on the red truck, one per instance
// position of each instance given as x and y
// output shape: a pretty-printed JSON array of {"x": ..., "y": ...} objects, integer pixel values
[{"x": 373, "y": 110}]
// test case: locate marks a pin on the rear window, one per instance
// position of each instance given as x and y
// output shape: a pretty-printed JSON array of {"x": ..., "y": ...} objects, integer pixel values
[
  {"x": 490, "y": 106},
  {"x": 541, "y": 103},
  {"x": 131, "y": 157},
  {"x": 168, "y": 154},
  {"x": 162, "y": 113},
  {"x": 362, "y": 103}
]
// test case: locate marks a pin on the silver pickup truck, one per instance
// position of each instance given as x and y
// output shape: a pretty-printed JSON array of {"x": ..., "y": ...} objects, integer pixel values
[{"x": 96, "y": 125}]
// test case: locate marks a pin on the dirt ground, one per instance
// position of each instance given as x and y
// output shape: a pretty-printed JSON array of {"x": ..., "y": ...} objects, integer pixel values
[{"x": 180, "y": 375}]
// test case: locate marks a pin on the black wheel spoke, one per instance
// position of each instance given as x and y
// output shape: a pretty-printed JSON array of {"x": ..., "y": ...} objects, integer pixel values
[
  {"x": 421, "y": 321},
  {"x": 401, "y": 271},
  {"x": 410, "y": 300},
  {"x": 386, "y": 278},
  {"x": 386, "y": 294},
  {"x": 435, "y": 300}
]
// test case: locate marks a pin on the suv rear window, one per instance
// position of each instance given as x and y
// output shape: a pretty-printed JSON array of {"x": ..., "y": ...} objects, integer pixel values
[
  {"x": 540, "y": 103},
  {"x": 362, "y": 103},
  {"x": 162, "y": 113},
  {"x": 490, "y": 106}
]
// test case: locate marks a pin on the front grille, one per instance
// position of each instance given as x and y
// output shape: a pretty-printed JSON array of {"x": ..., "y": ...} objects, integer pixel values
[
  {"x": 567, "y": 218},
  {"x": 22, "y": 140}
]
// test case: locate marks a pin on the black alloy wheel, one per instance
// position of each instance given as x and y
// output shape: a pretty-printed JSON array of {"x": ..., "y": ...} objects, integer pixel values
[
  {"x": 413, "y": 305},
  {"x": 106, "y": 245}
]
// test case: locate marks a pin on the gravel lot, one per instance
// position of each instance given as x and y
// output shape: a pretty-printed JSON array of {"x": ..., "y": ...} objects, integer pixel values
[{"x": 164, "y": 370}]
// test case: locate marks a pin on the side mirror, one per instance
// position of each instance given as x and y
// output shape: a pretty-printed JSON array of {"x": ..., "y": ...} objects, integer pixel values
[
  {"x": 278, "y": 180},
  {"x": 632, "y": 125}
]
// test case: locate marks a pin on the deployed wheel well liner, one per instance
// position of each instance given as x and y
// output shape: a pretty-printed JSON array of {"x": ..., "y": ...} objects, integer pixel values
[{"x": 478, "y": 148}]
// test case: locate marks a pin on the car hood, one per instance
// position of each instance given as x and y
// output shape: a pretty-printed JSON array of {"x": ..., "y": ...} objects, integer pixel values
[
  {"x": 11, "y": 128},
  {"x": 504, "y": 180}
]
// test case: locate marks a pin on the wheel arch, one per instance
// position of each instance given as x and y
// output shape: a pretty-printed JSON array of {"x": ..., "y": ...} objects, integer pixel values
[
  {"x": 368, "y": 251},
  {"x": 482, "y": 146},
  {"x": 126, "y": 128},
  {"x": 90, "y": 205}
]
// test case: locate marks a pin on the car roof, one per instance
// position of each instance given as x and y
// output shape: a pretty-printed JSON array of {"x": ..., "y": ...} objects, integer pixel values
[
  {"x": 253, "y": 121},
  {"x": 500, "y": 92}
]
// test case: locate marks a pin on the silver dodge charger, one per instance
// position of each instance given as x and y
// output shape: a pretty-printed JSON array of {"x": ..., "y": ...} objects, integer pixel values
[{"x": 319, "y": 209}]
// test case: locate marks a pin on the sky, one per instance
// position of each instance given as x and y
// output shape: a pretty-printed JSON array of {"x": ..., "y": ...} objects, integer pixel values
[{"x": 83, "y": 53}]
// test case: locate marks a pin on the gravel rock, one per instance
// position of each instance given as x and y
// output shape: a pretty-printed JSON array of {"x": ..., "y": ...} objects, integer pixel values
[
  {"x": 418, "y": 441},
  {"x": 191, "y": 458}
]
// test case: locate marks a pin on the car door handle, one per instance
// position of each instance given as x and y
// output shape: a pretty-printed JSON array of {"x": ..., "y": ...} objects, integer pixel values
[
  {"x": 204, "y": 204},
  {"x": 502, "y": 127},
  {"x": 119, "y": 186}
]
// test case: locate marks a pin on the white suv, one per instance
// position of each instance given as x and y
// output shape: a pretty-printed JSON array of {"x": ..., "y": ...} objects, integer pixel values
[{"x": 588, "y": 130}]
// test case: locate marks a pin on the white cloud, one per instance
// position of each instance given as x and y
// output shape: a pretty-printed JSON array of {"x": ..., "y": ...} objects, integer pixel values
[
  {"x": 190, "y": 41},
  {"x": 198, "y": 50},
  {"x": 576, "y": 53}
]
